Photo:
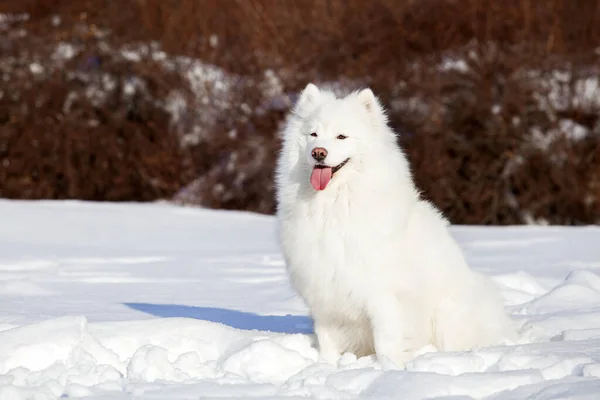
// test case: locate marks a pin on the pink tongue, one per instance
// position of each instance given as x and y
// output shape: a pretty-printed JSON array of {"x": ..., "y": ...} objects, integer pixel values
[{"x": 320, "y": 177}]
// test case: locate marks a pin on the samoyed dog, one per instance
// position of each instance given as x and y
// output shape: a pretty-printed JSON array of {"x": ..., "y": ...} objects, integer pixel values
[{"x": 375, "y": 264}]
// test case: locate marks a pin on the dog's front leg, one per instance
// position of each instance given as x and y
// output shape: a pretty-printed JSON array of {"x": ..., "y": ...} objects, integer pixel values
[
  {"x": 388, "y": 324},
  {"x": 328, "y": 339}
]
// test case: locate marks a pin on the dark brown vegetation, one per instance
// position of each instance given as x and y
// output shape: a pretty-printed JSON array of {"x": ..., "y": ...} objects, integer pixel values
[{"x": 497, "y": 103}]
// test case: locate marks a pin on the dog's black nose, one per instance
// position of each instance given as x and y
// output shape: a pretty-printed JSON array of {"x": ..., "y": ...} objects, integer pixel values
[{"x": 319, "y": 153}]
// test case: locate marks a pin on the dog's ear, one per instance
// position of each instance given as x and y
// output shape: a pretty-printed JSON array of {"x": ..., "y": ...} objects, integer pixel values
[
  {"x": 369, "y": 101},
  {"x": 309, "y": 96}
]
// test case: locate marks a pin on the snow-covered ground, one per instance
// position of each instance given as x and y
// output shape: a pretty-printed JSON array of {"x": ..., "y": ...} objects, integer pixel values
[{"x": 153, "y": 301}]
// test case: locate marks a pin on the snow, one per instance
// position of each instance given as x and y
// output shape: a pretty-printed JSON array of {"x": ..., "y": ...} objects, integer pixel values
[
  {"x": 450, "y": 64},
  {"x": 154, "y": 301},
  {"x": 64, "y": 51},
  {"x": 566, "y": 128},
  {"x": 7, "y": 19}
]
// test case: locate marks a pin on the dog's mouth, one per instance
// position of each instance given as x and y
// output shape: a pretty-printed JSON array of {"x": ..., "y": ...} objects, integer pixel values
[{"x": 322, "y": 174}]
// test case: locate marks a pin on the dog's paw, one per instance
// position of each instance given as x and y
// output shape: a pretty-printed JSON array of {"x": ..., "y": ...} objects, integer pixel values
[
  {"x": 329, "y": 358},
  {"x": 396, "y": 362}
]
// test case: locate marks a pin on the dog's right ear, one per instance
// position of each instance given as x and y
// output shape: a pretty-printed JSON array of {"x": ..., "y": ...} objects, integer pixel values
[{"x": 309, "y": 96}]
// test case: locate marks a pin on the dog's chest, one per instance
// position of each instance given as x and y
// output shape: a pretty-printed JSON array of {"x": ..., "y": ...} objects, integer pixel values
[{"x": 328, "y": 256}]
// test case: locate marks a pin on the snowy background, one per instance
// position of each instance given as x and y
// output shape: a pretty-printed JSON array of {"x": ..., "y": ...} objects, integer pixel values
[{"x": 111, "y": 302}]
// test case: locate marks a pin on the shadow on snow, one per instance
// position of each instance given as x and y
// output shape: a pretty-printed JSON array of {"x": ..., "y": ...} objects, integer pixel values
[{"x": 232, "y": 318}]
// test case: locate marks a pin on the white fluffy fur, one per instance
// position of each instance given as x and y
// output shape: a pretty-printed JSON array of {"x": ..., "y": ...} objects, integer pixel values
[{"x": 375, "y": 264}]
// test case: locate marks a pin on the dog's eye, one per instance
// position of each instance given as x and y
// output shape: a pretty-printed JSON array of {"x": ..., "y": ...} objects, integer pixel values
[
  {"x": 342, "y": 137},
  {"x": 314, "y": 134}
]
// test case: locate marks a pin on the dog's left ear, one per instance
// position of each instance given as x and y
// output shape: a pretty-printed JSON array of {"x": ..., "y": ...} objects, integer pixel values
[{"x": 367, "y": 99}]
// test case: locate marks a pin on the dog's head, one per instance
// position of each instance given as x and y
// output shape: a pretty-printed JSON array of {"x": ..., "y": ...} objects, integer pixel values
[{"x": 335, "y": 135}]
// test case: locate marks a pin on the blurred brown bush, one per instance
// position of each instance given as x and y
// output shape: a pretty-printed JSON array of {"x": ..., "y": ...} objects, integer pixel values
[{"x": 496, "y": 102}]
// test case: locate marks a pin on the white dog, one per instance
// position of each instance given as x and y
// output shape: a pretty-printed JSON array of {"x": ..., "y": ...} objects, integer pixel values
[{"x": 375, "y": 264}]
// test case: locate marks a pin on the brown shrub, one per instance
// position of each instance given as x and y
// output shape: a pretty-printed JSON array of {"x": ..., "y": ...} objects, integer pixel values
[
  {"x": 88, "y": 128},
  {"x": 491, "y": 99}
]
